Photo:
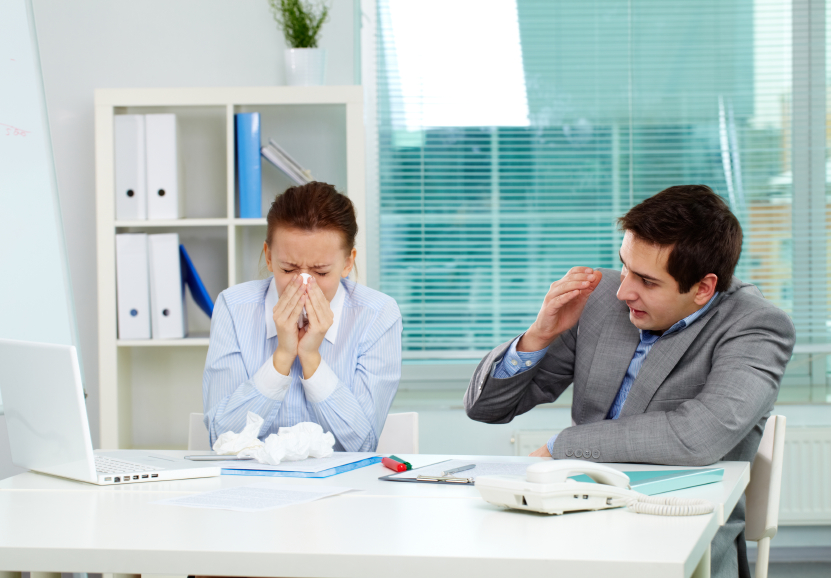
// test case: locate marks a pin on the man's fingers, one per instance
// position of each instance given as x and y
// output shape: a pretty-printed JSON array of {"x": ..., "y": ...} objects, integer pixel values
[
  {"x": 552, "y": 305},
  {"x": 567, "y": 287},
  {"x": 570, "y": 277},
  {"x": 566, "y": 297}
]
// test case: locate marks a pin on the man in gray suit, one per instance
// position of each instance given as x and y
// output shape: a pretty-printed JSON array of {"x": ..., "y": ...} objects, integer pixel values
[{"x": 673, "y": 359}]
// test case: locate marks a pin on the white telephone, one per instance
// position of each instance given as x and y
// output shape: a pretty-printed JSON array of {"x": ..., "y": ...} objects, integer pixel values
[{"x": 549, "y": 489}]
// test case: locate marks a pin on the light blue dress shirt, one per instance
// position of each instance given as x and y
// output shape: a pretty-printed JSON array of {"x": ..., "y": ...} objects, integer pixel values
[
  {"x": 515, "y": 362},
  {"x": 350, "y": 393}
]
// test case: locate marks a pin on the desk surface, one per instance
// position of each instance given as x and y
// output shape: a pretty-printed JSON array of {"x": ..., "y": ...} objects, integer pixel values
[{"x": 51, "y": 524}]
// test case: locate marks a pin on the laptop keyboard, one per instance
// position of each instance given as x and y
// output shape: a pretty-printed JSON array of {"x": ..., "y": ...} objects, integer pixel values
[{"x": 105, "y": 465}]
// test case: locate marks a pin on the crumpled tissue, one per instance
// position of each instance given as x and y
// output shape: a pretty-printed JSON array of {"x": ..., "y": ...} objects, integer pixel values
[{"x": 289, "y": 444}]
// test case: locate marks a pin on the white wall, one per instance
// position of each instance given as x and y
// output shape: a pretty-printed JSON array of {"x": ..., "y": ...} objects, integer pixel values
[{"x": 89, "y": 44}]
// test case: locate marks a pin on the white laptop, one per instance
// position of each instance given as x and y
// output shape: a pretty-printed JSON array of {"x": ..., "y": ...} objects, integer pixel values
[{"x": 46, "y": 416}]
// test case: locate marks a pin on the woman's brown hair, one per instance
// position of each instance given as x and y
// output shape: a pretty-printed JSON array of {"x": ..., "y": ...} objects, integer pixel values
[{"x": 312, "y": 207}]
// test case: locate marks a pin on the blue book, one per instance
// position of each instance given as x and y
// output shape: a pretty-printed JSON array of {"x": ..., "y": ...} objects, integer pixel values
[
  {"x": 249, "y": 170},
  {"x": 658, "y": 482},
  {"x": 321, "y": 474},
  {"x": 191, "y": 278}
]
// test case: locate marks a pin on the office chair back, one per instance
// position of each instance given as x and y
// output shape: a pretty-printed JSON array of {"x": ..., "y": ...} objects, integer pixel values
[
  {"x": 197, "y": 433},
  {"x": 400, "y": 434},
  {"x": 762, "y": 519}
]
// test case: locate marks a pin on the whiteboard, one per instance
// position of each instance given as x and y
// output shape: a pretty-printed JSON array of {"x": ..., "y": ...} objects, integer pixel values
[{"x": 35, "y": 294}]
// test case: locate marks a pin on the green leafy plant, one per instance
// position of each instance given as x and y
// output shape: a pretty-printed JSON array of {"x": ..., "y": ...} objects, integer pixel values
[{"x": 299, "y": 20}]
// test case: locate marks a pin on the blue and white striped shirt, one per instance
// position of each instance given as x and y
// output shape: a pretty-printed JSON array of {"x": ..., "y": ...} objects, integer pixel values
[
  {"x": 349, "y": 394},
  {"x": 515, "y": 362}
]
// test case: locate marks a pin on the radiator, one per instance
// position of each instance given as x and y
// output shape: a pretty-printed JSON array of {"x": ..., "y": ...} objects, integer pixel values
[{"x": 806, "y": 476}]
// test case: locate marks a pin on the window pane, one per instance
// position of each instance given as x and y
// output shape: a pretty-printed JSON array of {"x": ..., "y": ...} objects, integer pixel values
[{"x": 621, "y": 100}]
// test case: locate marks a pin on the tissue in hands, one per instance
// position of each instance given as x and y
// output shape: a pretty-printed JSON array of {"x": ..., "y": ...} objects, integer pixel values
[
  {"x": 304, "y": 319},
  {"x": 289, "y": 444}
]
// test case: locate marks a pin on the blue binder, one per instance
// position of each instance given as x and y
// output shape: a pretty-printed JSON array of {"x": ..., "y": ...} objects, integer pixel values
[
  {"x": 191, "y": 278},
  {"x": 249, "y": 170},
  {"x": 658, "y": 482},
  {"x": 320, "y": 474}
]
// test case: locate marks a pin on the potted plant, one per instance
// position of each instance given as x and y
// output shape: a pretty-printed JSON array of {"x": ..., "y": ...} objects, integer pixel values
[{"x": 300, "y": 22}]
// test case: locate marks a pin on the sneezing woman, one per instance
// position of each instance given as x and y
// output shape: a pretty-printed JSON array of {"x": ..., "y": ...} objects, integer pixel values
[{"x": 338, "y": 364}]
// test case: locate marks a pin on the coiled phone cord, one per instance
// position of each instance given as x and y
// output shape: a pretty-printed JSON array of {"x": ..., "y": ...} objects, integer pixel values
[{"x": 664, "y": 506}]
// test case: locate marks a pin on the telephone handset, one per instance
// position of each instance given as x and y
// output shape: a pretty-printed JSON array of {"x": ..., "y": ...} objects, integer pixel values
[
  {"x": 559, "y": 471},
  {"x": 549, "y": 488}
]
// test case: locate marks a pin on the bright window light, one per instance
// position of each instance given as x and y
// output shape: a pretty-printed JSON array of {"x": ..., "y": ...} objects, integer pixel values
[{"x": 459, "y": 63}]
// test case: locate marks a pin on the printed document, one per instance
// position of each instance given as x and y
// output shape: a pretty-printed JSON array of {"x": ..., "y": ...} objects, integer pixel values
[{"x": 255, "y": 497}]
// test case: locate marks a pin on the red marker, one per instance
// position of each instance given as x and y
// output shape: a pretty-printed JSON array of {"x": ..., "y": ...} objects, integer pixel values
[{"x": 393, "y": 465}]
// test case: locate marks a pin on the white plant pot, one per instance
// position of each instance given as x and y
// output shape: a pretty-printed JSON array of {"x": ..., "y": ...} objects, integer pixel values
[{"x": 305, "y": 66}]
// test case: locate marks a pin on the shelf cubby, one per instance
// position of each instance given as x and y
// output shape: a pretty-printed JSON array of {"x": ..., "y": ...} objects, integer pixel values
[{"x": 148, "y": 387}]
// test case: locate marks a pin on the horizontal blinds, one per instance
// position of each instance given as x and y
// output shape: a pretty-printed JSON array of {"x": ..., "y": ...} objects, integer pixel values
[{"x": 509, "y": 144}]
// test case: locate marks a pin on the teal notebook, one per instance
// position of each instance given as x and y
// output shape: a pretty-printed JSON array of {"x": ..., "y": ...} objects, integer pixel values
[
  {"x": 321, "y": 474},
  {"x": 658, "y": 482}
]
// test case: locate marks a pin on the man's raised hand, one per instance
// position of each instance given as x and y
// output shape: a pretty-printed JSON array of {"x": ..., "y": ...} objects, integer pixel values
[{"x": 561, "y": 308}]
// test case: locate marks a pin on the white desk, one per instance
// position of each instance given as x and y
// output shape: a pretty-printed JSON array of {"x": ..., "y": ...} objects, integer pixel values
[{"x": 406, "y": 529}]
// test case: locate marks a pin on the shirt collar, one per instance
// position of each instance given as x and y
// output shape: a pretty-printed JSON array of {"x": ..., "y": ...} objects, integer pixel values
[
  {"x": 336, "y": 305},
  {"x": 685, "y": 322}
]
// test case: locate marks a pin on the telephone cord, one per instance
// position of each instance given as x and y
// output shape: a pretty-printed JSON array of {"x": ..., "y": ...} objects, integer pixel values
[{"x": 664, "y": 506}]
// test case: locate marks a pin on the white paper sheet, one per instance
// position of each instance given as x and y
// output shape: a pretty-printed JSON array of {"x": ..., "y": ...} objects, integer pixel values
[
  {"x": 481, "y": 469},
  {"x": 310, "y": 465},
  {"x": 255, "y": 497}
]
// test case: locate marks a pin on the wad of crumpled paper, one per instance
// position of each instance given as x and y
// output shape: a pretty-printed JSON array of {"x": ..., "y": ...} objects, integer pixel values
[{"x": 289, "y": 444}]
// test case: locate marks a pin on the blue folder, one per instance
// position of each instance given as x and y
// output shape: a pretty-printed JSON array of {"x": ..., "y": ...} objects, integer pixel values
[
  {"x": 191, "y": 278},
  {"x": 322, "y": 474},
  {"x": 657, "y": 482},
  {"x": 249, "y": 169}
]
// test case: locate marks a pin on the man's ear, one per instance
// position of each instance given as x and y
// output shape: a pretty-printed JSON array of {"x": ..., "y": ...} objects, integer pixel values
[{"x": 705, "y": 290}]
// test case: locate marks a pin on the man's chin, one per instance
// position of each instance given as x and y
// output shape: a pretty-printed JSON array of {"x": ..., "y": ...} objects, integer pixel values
[{"x": 641, "y": 321}]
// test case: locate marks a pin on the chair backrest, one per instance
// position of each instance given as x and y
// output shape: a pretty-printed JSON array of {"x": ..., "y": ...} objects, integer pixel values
[
  {"x": 197, "y": 434},
  {"x": 765, "y": 485},
  {"x": 400, "y": 434}
]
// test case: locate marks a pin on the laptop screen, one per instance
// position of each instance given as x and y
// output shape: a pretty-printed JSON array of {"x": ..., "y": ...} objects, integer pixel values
[{"x": 45, "y": 411}]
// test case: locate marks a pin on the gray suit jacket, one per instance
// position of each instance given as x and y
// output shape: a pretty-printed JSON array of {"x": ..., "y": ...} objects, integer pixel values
[{"x": 702, "y": 395}]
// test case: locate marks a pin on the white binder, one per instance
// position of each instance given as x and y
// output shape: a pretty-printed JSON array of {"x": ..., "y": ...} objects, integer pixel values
[
  {"x": 130, "y": 167},
  {"x": 163, "y": 198},
  {"x": 132, "y": 286},
  {"x": 166, "y": 291}
]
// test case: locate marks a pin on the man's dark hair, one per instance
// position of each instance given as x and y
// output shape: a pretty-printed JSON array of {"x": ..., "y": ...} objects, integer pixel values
[{"x": 704, "y": 235}]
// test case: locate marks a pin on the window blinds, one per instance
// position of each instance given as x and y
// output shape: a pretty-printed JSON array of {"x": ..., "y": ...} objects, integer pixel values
[{"x": 511, "y": 135}]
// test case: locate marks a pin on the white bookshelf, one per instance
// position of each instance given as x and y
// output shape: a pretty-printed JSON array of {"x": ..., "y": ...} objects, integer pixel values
[{"x": 147, "y": 388}]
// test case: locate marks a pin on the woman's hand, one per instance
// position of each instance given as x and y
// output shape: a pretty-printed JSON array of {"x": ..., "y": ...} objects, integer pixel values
[
  {"x": 285, "y": 315},
  {"x": 320, "y": 320}
]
